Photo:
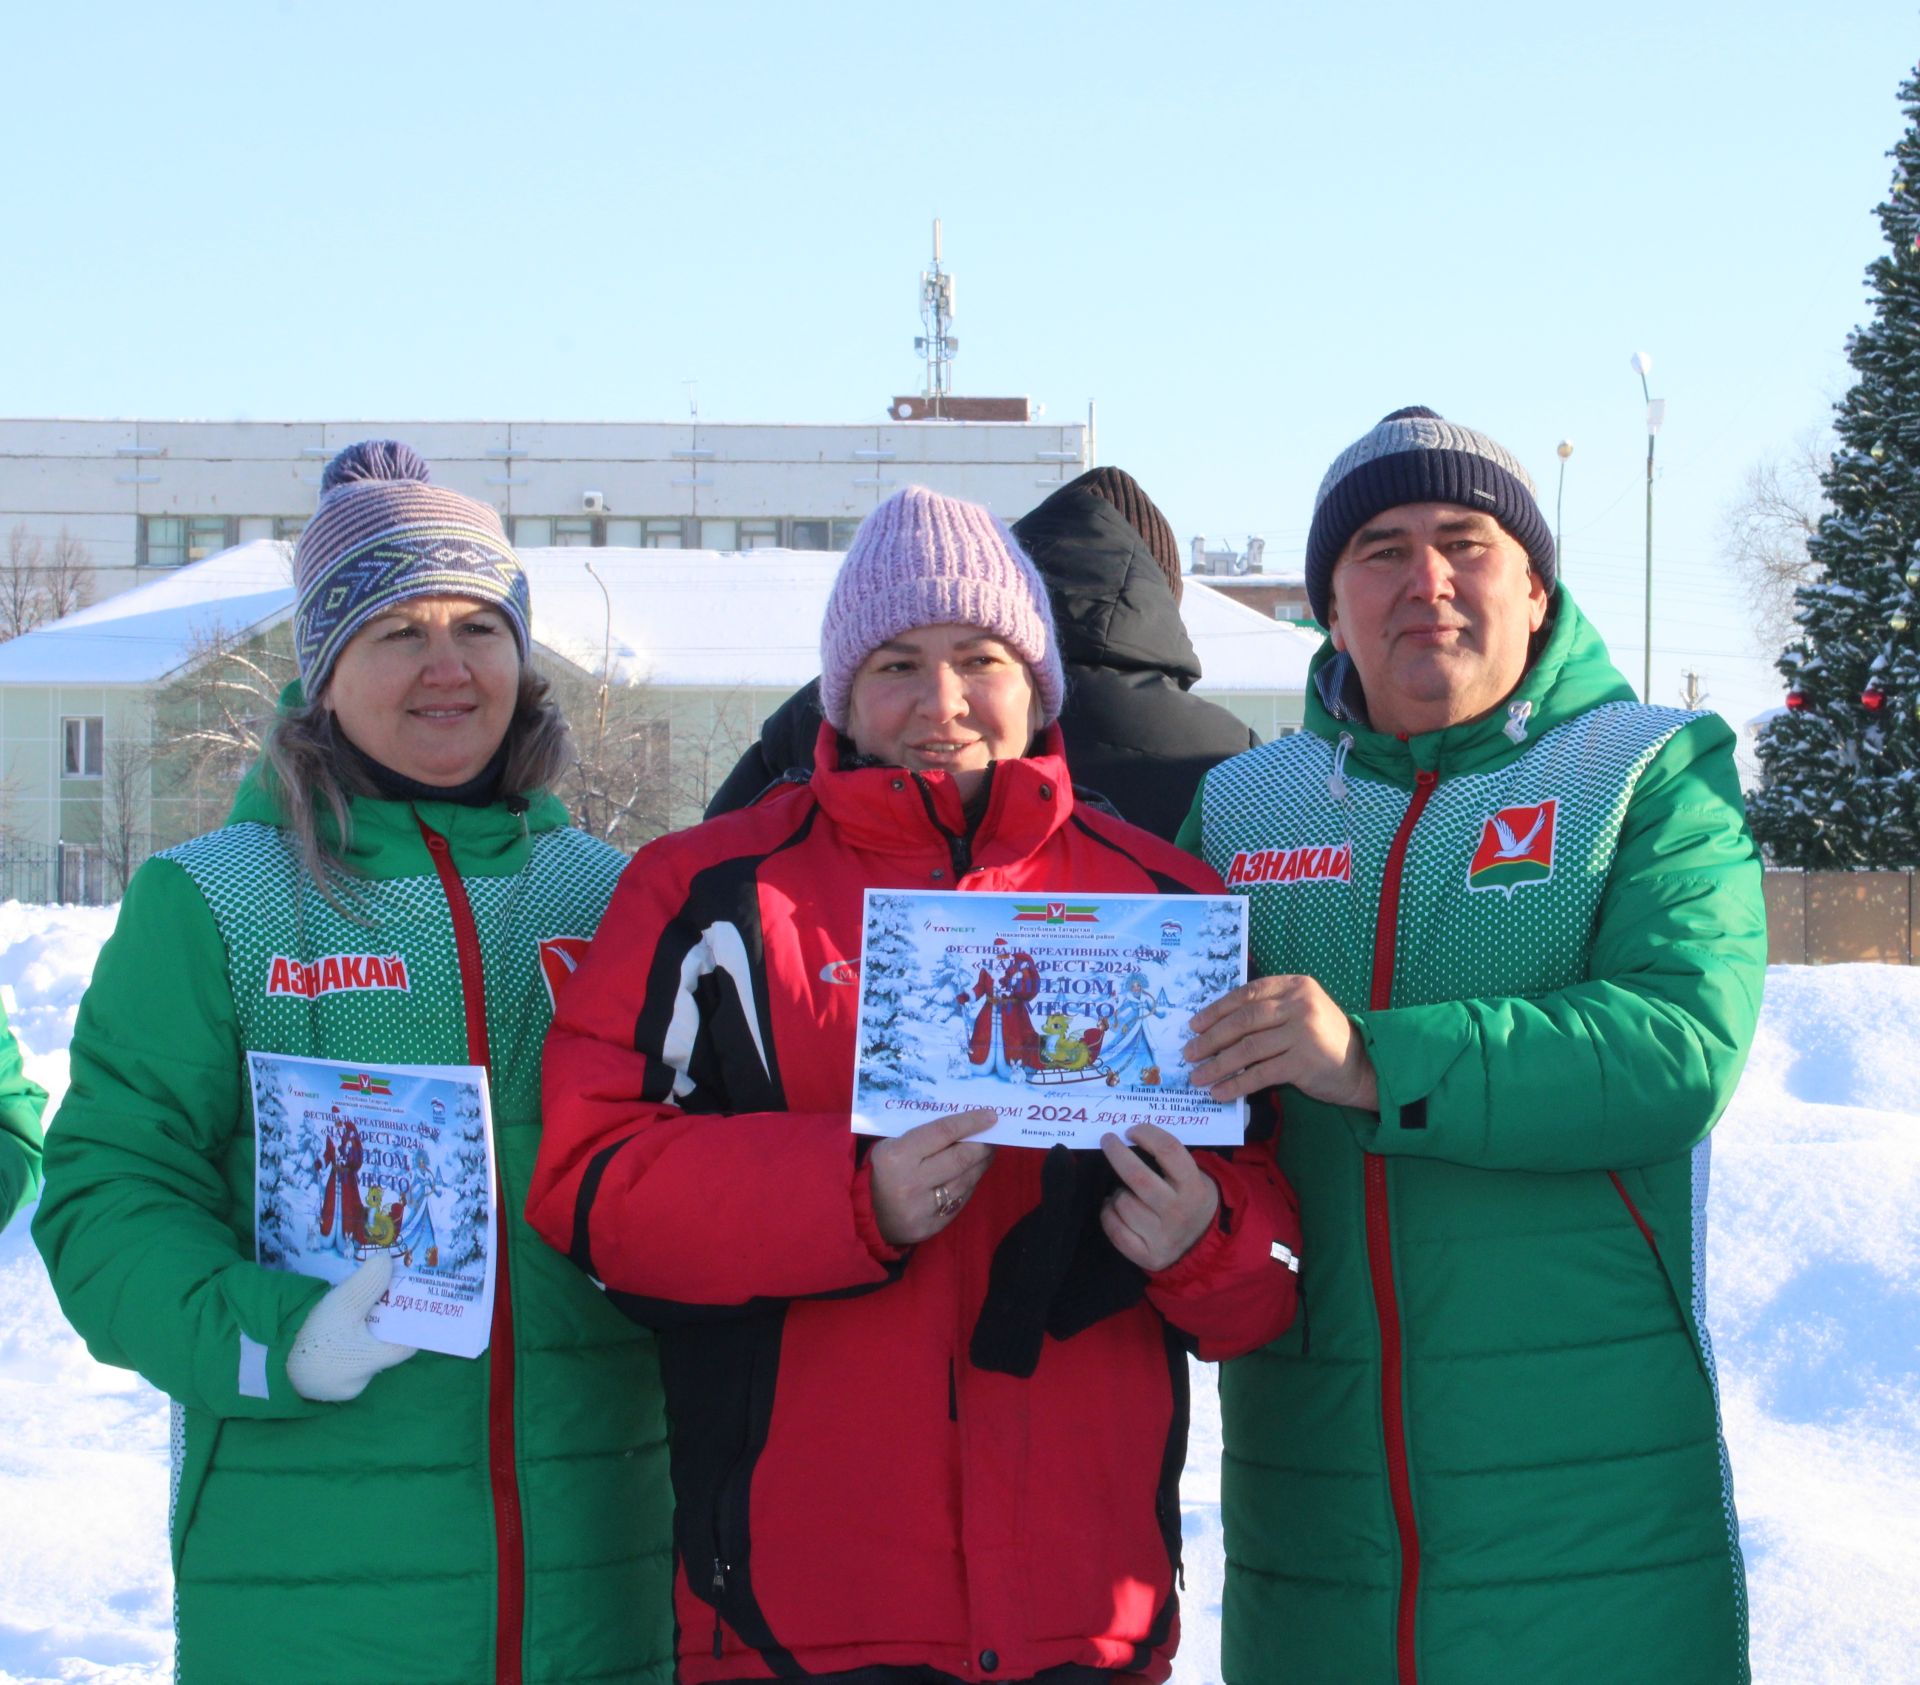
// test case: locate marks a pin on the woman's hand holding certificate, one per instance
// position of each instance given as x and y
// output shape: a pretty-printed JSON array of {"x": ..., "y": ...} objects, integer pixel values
[
  {"x": 923, "y": 1177},
  {"x": 1156, "y": 1214}
]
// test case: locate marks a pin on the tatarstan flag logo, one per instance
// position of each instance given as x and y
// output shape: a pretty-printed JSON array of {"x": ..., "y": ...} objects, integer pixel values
[
  {"x": 1056, "y": 912},
  {"x": 364, "y": 1082},
  {"x": 1516, "y": 847}
]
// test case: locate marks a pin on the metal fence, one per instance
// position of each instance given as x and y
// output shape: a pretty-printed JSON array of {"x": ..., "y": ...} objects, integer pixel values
[{"x": 73, "y": 873}]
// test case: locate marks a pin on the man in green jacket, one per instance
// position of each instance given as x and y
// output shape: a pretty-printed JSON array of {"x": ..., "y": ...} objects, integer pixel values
[
  {"x": 1508, "y": 944},
  {"x": 21, "y": 1103}
]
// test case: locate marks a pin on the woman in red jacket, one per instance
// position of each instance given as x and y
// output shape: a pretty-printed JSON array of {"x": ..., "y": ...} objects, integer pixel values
[{"x": 929, "y": 1399}]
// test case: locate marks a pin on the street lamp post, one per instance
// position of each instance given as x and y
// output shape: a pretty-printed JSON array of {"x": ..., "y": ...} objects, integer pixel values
[
  {"x": 1656, "y": 413},
  {"x": 1563, "y": 450}
]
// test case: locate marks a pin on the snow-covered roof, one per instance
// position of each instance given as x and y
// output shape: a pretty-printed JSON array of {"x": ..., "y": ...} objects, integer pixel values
[
  {"x": 697, "y": 618},
  {"x": 719, "y": 619},
  {"x": 1240, "y": 648},
  {"x": 142, "y": 635}
]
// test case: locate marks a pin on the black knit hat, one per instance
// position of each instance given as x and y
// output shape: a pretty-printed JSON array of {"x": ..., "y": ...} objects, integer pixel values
[
  {"x": 1413, "y": 456},
  {"x": 1141, "y": 513}
]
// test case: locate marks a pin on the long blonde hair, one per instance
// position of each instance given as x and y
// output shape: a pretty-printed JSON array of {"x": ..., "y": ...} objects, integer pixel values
[{"x": 311, "y": 776}]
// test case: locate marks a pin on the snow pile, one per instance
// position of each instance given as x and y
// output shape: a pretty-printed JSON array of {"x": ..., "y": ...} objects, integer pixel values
[
  {"x": 86, "y": 1593},
  {"x": 1815, "y": 1303},
  {"x": 1815, "y": 1296}
]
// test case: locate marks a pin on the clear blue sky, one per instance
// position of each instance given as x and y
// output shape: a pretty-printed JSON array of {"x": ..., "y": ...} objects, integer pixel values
[{"x": 1245, "y": 231}]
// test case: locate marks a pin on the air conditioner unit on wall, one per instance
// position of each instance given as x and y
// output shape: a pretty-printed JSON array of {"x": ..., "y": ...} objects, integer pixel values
[{"x": 594, "y": 502}]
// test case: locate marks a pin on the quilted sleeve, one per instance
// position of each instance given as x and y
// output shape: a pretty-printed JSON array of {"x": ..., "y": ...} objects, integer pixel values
[
  {"x": 137, "y": 1221},
  {"x": 666, "y": 1169},
  {"x": 1237, "y": 1286},
  {"x": 1635, "y": 1063},
  {"x": 21, "y": 1103}
]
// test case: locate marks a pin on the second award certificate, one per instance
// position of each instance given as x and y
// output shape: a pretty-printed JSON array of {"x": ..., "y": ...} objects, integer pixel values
[{"x": 1066, "y": 1013}]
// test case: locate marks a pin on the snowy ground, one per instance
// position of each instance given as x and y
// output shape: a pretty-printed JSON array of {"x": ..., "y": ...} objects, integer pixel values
[{"x": 1815, "y": 1277}]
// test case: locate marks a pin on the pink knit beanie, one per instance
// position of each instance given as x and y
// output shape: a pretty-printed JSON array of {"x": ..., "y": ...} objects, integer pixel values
[{"x": 921, "y": 559}]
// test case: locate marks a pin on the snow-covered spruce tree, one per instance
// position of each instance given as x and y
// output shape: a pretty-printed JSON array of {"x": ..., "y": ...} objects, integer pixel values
[
  {"x": 1219, "y": 968},
  {"x": 1842, "y": 764},
  {"x": 275, "y": 1231},
  {"x": 467, "y": 1246},
  {"x": 887, "y": 1056}
]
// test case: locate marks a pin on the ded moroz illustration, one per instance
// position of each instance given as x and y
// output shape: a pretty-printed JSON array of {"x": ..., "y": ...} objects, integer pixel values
[
  {"x": 1065, "y": 1014},
  {"x": 355, "y": 1160}
]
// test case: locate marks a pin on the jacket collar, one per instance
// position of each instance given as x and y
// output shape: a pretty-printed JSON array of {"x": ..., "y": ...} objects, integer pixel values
[
  {"x": 888, "y": 810},
  {"x": 487, "y": 841},
  {"x": 1572, "y": 674}
]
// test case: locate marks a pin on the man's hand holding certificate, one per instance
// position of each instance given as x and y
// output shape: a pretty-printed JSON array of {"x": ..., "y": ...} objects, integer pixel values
[{"x": 1067, "y": 1015}]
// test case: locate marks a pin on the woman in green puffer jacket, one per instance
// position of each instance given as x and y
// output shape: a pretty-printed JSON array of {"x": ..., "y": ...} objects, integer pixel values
[{"x": 346, "y": 1509}]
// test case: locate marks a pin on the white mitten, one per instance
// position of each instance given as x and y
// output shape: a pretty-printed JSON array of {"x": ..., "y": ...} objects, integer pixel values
[{"x": 333, "y": 1356}]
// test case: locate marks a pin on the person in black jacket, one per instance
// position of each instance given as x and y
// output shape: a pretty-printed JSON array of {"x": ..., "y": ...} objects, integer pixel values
[{"x": 1133, "y": 733}]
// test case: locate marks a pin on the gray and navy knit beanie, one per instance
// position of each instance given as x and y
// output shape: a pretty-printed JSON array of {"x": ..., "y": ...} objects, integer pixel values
[
  {"x": 1413, "y": 456},
  {"x": 382, "y": 535},
  {"x": 922, "y": 559}
]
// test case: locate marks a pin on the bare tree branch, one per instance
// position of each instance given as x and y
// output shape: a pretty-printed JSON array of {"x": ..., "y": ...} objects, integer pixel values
[
  {"x": 216, "y": 714},
  {"x": 126, "y": 780},
  {"x": 67, "y": 579},
  {"x": 1764, "y": 532},
  {"x": 19, "y": 583},
  {"x": 37, "y": 586}
]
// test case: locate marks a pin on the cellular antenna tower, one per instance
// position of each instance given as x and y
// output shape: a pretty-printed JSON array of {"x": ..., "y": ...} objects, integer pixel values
[{"x": 937, "y": 345}]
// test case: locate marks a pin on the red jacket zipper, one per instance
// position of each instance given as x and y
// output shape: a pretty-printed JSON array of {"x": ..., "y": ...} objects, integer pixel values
[
  {"x": 509, "y": 1543},
  {"x": 1386, "y": 1303}
]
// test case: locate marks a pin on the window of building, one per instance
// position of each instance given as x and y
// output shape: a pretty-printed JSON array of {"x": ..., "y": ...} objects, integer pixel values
[
  {"x": 83, "y": 746},
  {"x": 171, "y": 541},
  {"x": 675, "y": 532},
  {"x": 289, "y": 526}
]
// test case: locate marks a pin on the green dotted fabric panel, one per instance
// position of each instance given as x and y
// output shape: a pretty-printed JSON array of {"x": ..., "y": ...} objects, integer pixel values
[
  {"x": 1499, "y": 890},
  {"x": 267, "y": 909}
]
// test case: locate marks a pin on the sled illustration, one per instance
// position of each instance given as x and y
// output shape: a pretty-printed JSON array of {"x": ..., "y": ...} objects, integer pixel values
[
  {"x": 1066, "y": 1057},
  {"x": 1057, "y": 1076}
]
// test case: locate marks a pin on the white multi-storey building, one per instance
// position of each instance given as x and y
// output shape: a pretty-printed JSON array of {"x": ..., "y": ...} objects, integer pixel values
[{"x": 145, "y": 496}]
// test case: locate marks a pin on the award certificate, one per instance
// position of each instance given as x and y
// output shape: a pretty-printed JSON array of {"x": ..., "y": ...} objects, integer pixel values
[
  {"x": 350, "y": 1160},
  {"x": 1066, "y": 1013}
]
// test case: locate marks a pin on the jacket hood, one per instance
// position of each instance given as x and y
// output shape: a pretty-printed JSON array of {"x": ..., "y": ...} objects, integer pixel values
[
  {"x": 1572, "y": 674},
  {"x": 485, "y": 838},
  {"x": 1112, "y": 605}
]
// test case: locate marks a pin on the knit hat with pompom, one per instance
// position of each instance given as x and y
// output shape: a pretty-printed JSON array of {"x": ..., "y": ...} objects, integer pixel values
[
  {"x": 921, "y": 559},
  {"x": 382, "y": 535}
]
